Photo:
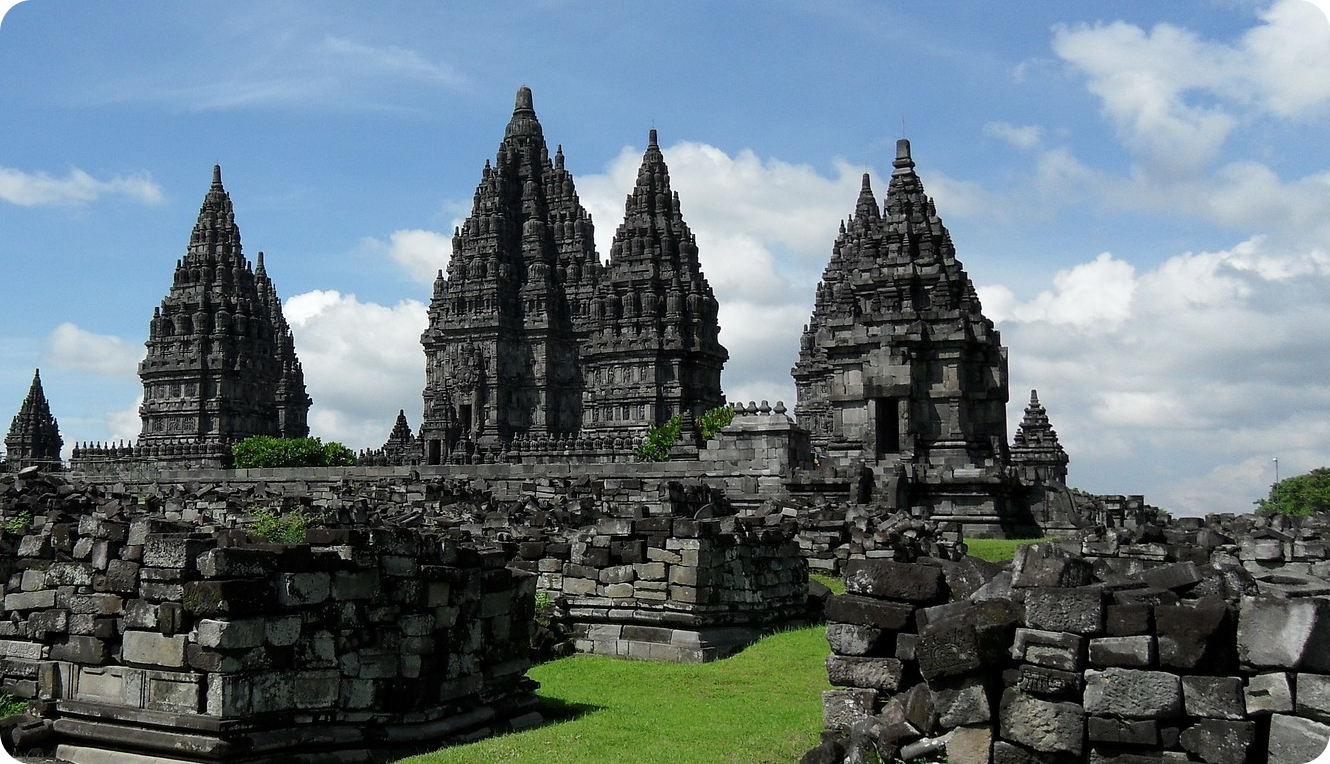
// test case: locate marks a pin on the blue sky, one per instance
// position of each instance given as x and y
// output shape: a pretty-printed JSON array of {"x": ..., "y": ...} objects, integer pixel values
[{"x": 1140, "y": 190}]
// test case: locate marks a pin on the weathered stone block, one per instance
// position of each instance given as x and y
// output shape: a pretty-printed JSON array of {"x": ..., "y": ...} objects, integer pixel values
[
  {"x": 1285, "y": 633},
  {"x": 920, "y": 584},
  {"x": 237, "y": 597},
  {"x": 1079, "y": 610},
  {"x": 1213, "y": 697},
  {"x": 842, "y": 708},
  {"x": 970, "y": 745},
  {"x": 1312, "y": 695},
  {"x": 1133, "y": 694},
  {"x": 303, "y": 588},
  {"x": 1100, "y": 729},
  {"x": 1049, "y": 683},
  {"x": 1196, "y": 636},
  {"x": 1217, "y": 741},
  {"x": 1045, "y": 726},
  {"x": 229, "y": 635},
  {"x": 1178, "y": 576},
  {"x": 39, "y": 600},
  {"x": 237, "y": 562},
  {"x": 882, "y": 674},
  {"x": 852, "y": 639},
  {"x": 87, "y": 650},
  {"x": 865, "y": 611},
  {"x": 1126, "y": 620},
  {"x": 1136, "y": 652},
  {"x": 1294, "y": 740},
  {"x": 961, "y": 701},
  {"x": 1048, "y": 564},
  {"x": 69, "y": 574},
  {"x": 1054, "y": 649},
  {"x": 1270, "y": 693},
  {"x": 122, "y": 576},
  {"x": 147, "y": 649}
]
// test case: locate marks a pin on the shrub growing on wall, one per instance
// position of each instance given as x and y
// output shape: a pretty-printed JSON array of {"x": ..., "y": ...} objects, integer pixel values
[
  {"x": 267, "y": 451},
  {"x": 1300, "y": 495},
  {"x": 656, "y": 448}
]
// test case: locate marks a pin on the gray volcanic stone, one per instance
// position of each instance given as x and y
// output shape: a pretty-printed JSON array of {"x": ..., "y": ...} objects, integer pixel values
[
  {"x": 1133, "y": 694},
  {"x": 1313, "y": 696},
  {"x": 852, "y": 639},
  {"x": 1079, "y": 610},
  {"x": 1047, "y": 682},
  {"x": 1196, "y": 636},
  {"x": 149, "y": 649},
  {"x": 1053, "y": 649},
  {"x": 1048, "y": 564},
  {"x": 842, "y": 708},
  {"x": 866, "y": 611},
  {"x": 1219, "y": 742},
  {"x": 1269, "y": 694},
  {"x": 961, "y": 701},
  {"x": 1043, "y": 725},
  {"x": 1294, "y": 740},
  {"x": 883, "y": 674},
  {"x": 1101, "y": 729},
  {"x": 970, "y": 745},
  {"x": 895, "y": 581},
  {"x": 1214, "y": 697},
  {"x": 1284, "y": 634},
  {"x": 1137, "y": 652},
  {"x": 1176, "y": 576}
]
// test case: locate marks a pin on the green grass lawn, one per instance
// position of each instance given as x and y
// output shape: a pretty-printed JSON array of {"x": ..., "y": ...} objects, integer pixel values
[
  {"x": 997, "y": 550},
  {"x": 761, "y": 706}
]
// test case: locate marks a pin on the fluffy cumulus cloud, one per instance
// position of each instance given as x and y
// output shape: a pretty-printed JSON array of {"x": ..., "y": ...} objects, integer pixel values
[
  {"x": 72, "y": 348},
  {"x": 420, "y": 252},
  {"x": 362, "y": 363},
  {"x": 1185, "y": 380},
  {"x": 76, "y": 189}
]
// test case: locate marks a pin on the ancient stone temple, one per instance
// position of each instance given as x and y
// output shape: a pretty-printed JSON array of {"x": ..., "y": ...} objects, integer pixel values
[
  {"x": 898, "y": 368},
  {"x": 653, "y": 347},
  {"x": 34, "y": 436},
  {"x": 1035, "y": 452},
  {"x": 221, "y": 363},
  {"x": 531, "y": 337}
]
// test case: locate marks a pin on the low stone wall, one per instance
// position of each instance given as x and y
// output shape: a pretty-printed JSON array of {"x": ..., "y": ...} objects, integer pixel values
[
  {"x": 1049, "y": 662},
  {"x": 182, "y": 642},
  {"x": 672, "y": 588}
]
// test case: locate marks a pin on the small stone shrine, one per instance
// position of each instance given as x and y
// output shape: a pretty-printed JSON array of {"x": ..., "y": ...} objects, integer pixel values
[{"x": 34, "y": 436}]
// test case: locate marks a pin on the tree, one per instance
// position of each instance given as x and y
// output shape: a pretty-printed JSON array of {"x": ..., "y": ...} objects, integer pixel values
[
  {"x": 267, "y": 451},
  {"x": 1300, "y": 495}
]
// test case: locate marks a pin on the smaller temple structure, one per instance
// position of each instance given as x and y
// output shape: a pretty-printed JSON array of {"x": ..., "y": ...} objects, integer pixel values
[
  {"x": 34, "y": 435},
  {"x": 1035, "y": 452}
]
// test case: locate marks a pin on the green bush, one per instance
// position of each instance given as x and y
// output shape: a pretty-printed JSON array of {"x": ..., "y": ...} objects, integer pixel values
[
  {"x": 278, "y": 528},
  {"x": 267, "y": 451},
  {"x": 656, "y": 448},
  {"x": 18, "y": 524},
  {"x": 714, "y": 420},
  {"x": 11, "y": 706},
  {"x": 1301, "y": 495}
]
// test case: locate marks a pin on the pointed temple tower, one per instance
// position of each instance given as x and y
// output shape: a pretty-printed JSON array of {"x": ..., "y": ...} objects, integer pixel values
[
  {"x": 500, "y": 349},
  {"x": 1036, "y": 453},
  {"x": 34, "y": 436},
  {"x": 221, "y": 363},
  {"x": 653, "y": 350},
  {"x": 898, "y": 368},
  {"x": 530, "y": 337}
]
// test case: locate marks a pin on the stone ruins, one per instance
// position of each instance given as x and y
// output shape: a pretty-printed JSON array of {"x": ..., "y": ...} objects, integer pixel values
[{"x": 148, "y": 616}]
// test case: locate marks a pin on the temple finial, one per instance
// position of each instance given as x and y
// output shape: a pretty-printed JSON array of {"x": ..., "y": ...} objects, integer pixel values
[
  {"x": 651, "y": 139},
  {"x": 524, "y": 102},
  {"x": 1034, "y": 397},
  {"x": 217, "y": 176},
  {"x": 903, "y": 160}
]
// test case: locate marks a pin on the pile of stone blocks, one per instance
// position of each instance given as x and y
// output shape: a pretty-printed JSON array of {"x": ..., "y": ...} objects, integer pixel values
[
  {"x": 165, "y": 641},
  {"x": 1057, "y": 660},
  {"x": 672, "y": 588}
]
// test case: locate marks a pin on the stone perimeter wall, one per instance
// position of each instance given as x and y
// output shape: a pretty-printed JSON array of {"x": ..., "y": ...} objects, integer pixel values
[
  {"x": 1064, "y": 659},
  {"x": 153, "y": 638}
]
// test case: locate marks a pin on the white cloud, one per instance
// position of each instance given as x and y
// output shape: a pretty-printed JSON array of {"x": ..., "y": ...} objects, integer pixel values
[
  {"x": 362, "y": 362},
  {"x": 422, "y": 253},
  {"x": 1023, "y": 137},
  {"x": 391, "y": 60},
  {"x": 71, "y": 348},
  {"x": 1211, "y": 358},
  {"x": 76, "y": 189}
]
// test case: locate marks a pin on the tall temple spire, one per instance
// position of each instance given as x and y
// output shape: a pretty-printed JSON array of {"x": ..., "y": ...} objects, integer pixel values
[
  {"x": 34, "y": 435},
  {"x": 220, "y": 363}
]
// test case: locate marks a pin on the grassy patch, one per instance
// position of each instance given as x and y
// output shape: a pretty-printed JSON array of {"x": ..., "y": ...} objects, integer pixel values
[
  {"x": 761, "y": 706},
  {"x": 997, "y": 550},
  {"x": 836, "y": 585}
]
